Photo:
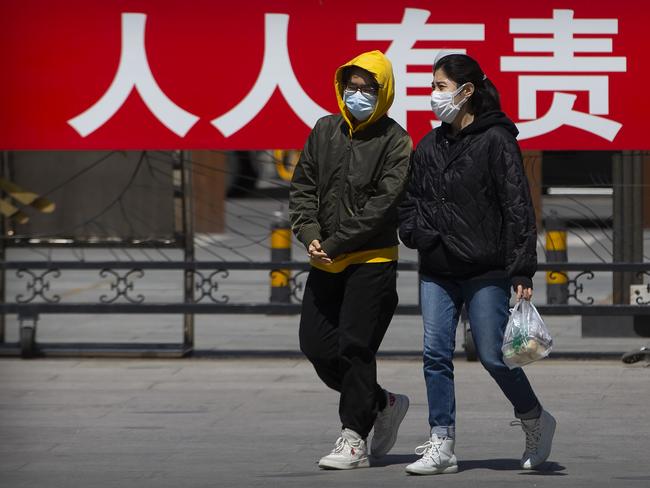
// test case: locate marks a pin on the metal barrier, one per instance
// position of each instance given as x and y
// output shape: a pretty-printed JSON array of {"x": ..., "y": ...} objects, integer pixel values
[
  {"x": 39, "y": 298},
  {"x": 557, "y": 282},
  {"x": 280, "y": 252}
]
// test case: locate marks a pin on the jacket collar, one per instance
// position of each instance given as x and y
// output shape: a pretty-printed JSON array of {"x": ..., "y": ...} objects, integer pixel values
[
  {"x": 366, "y": 132},
  {"x": 452, "y": 145}
]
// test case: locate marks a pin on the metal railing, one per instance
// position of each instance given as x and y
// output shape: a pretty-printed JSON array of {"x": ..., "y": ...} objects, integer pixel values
[{"x": 207, "y": 297}]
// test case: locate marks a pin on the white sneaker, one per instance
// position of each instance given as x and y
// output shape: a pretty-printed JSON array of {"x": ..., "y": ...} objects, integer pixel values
[
  {"x": 539, "y": 438},
  {"x": 349, "y": 452},
  {"x": 387, "y": 424},
  {"x": 437, "y": 457}
]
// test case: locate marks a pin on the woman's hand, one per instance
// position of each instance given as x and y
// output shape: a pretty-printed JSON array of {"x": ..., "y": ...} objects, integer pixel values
[
  {"x": 525, "y": 293},
  {"x": 316, "y": 252}
]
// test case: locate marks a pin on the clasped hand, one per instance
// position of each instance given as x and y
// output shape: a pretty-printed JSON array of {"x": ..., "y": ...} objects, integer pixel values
[{"x": 316, "y": 252}]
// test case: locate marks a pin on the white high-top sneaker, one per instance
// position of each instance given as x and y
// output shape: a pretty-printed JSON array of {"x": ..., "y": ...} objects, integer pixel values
[
  {"x": 539, "y": 438},
  {"x": 387, "y": 424},
  {"x": 437, "y": 457},
  {"x": 349, "y": 452}
]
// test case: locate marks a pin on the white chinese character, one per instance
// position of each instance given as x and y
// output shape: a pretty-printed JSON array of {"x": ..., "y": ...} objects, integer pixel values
[
  {"x": 404, "y": 35},
  {"x": 276, "y": 72},
  {"x": 563, "y": 46},
  {"x": 134, "y": 72}
]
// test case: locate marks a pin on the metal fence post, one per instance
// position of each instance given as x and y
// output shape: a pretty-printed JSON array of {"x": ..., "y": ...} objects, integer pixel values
[
  {"x": 280, "y": 252},
  {"x": 627, "y": 176},
  {"x": 188, "y": 248},
  {"x": 3, "y": 234},
  {"x": 557, "y": 281}
]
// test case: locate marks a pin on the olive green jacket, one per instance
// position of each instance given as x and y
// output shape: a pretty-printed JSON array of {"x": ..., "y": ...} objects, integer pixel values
[
  {"x": 351, "y": 176},
  {"x": 346, "y": 188}
]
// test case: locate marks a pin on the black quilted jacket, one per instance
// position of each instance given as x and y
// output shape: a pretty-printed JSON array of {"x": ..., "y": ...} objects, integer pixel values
[{"x": 467, "y": 208}]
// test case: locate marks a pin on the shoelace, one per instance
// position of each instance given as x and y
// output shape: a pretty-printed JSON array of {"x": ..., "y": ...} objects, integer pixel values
[
  {"x": 533, "y": 434},
  {"x": 342, "y": 443},
  {"x": 429, "y": 450}
]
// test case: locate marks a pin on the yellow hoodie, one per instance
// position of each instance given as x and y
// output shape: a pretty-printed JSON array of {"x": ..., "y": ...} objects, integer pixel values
[
  {"x": 379, "y": 65},
  {"x": 376, "y": 63}
]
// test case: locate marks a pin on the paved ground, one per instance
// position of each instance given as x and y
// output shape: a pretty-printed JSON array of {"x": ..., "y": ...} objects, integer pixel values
[{"x": 241, "y": 423}]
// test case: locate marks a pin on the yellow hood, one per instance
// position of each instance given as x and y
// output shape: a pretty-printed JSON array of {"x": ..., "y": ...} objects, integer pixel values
[{"x": 380, "y": 67}]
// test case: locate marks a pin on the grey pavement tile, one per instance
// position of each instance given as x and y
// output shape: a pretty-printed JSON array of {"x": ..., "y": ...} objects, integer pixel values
[{"x": 241, "y": 423}]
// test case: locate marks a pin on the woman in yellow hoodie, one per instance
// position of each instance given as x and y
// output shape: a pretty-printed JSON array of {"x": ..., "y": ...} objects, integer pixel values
[{"x": 343, "y": 208}]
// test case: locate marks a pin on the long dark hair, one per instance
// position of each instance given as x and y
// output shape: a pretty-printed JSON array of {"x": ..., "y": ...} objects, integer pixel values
[{"x": 462, "y": 69}]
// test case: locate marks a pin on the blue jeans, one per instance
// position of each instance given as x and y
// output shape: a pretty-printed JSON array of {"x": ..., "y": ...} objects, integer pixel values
[{"x": 487, "y": 304}]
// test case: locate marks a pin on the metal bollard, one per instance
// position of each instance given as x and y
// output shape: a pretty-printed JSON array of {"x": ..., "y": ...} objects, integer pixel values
[
  {"x": 557, "y": 281},
  {"x": 280, "y": 252}
]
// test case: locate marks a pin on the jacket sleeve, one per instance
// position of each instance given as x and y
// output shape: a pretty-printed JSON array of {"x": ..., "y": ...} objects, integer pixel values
[
  {"x": 358, "y": 229},
  {"x": 416, "y": 223},
  {"x": 303, "y": 194},
  {"x": 519, "y": 232},
  {"x": 408, "y": 209}
]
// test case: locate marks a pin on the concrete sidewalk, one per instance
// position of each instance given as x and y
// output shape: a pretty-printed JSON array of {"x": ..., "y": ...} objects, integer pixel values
[{"x": 240, "y": 423}]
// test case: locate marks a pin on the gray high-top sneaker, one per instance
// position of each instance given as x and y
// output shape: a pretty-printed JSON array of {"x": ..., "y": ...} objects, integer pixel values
[
  {"x": 349, "y": 452},
  {"x": 539, "y": 438},
  {"x": 437, "y": 457},
  {"x": 387, "y": 424}
]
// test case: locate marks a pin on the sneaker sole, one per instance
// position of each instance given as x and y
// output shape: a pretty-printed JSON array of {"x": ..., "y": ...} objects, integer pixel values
[
  {"x": 361, "y": 463},
  {"x": 400, "y": 418},
  {"x": 424, "y": 472},
  {"x": 542, "y": 461}
]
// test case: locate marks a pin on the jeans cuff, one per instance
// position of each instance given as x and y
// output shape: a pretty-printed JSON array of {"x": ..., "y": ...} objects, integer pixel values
[
  {"x": 531, "y": 414},
  {"x": 444, "y": 431}
]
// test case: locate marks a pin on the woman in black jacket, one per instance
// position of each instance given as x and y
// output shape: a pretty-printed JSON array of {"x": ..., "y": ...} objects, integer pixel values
[{"x": 468, "y": 212}]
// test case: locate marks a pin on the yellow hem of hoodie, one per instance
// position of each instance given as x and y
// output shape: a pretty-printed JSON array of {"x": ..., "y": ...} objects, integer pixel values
[{"x": 383, "y": 255}]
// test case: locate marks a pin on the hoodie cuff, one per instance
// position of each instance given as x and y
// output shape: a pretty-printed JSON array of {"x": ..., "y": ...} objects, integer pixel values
[
  {"x": 331, "y": 246},
  {"x": 525, "y": 281},
  {"x": 308, "y": 233}
]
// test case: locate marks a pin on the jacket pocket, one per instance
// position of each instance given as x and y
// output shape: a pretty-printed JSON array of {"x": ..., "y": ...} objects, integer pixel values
[
  {"x": 425, "y": 233},
  {"x": 361, "y": 197}
]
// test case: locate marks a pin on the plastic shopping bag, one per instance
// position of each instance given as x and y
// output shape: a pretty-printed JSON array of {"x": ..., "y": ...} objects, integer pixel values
[{"x": 526, "y": 338}]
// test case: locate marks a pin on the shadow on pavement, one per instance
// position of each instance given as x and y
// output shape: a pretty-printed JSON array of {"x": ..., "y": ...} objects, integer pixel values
[
  {"x": 302, "y": 474},
  {"x": 391, "y": 459},
  {"x": 548, "y": 468}
]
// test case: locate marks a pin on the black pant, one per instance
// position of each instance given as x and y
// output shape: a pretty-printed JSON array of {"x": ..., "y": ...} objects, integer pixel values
[{"x": 344, "y": 318}]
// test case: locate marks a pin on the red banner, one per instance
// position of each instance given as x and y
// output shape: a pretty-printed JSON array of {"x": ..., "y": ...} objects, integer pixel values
[{"x": 257, "y": 74}]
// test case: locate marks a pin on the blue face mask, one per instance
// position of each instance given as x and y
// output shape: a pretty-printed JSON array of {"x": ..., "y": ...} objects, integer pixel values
[{"x": 361, "y": 105}]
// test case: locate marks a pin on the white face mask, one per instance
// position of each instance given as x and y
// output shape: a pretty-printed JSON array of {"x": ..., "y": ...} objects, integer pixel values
[
  {"x": 361, "y": 105},
  {"x": 442, "y": 104}
]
